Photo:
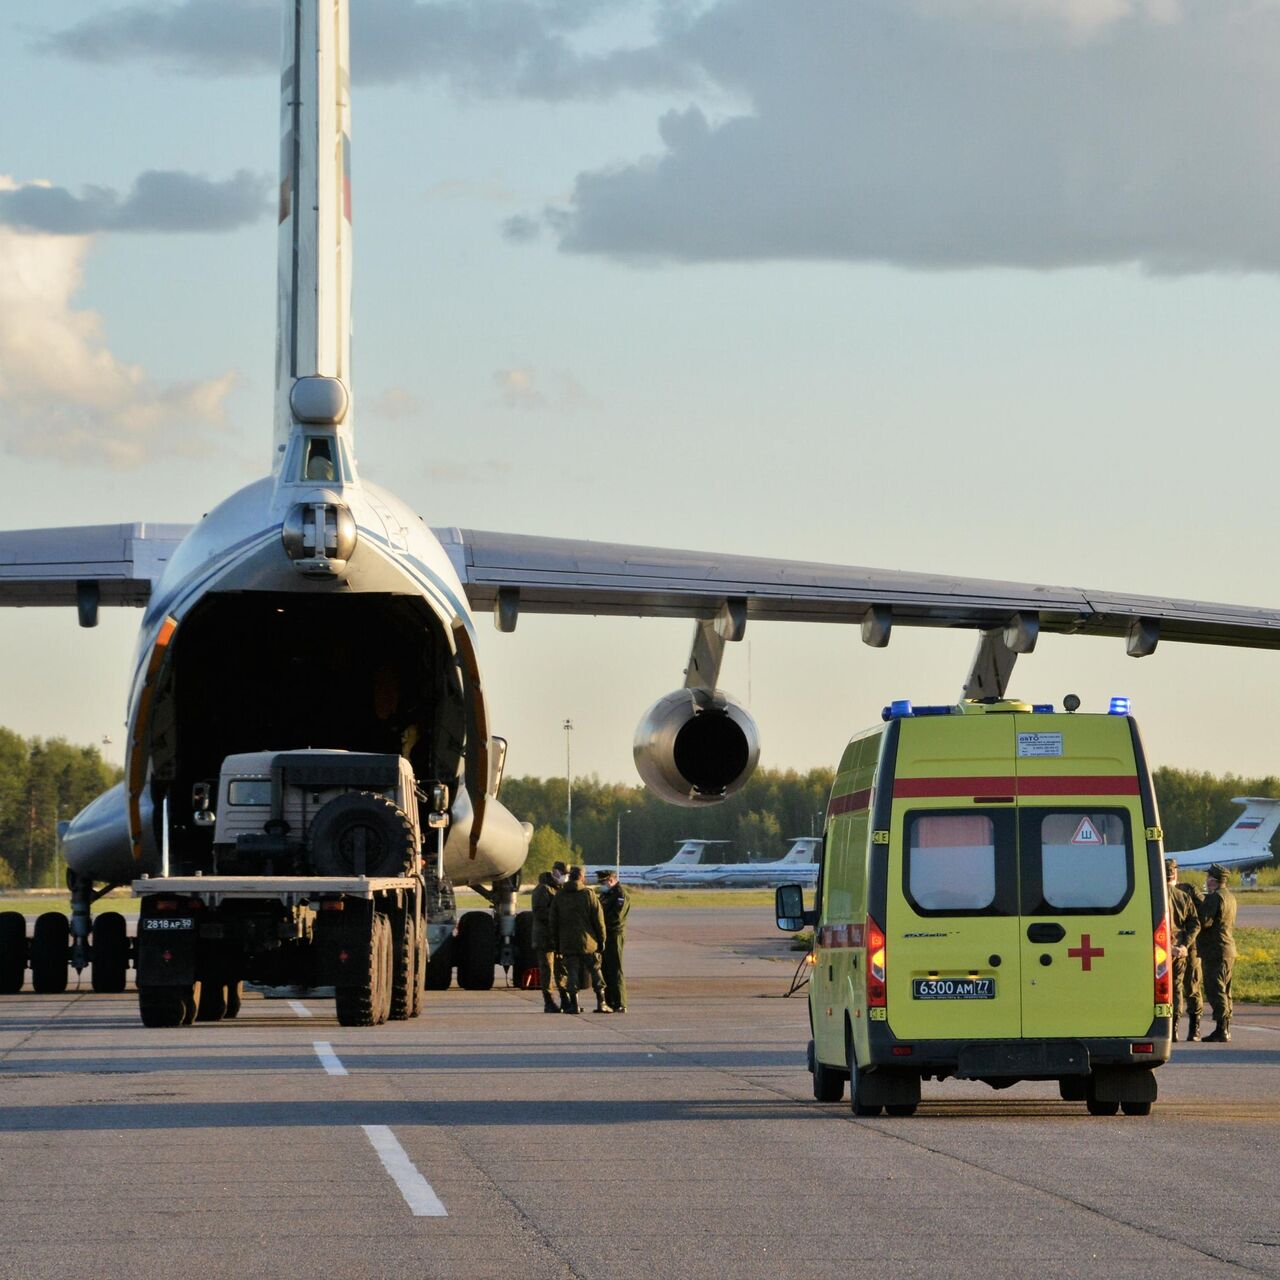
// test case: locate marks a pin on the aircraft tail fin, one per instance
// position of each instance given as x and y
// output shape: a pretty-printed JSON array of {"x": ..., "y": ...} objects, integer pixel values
[
  {"x": 313, "y": 322},
  {"x": 1246, "y": 843},
  {"x": 802, "y": 849},
  {"x": 690, "y": 852}
]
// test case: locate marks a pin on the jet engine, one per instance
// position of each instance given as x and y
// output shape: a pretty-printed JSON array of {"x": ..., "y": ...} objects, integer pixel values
[{"x": 696, "y": 748}]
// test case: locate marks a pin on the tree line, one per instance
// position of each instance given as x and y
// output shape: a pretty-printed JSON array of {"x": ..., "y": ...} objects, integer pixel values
[{"x": 44, "y": 781}]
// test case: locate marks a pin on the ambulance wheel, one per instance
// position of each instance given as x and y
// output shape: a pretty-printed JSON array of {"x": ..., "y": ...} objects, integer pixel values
[
  {"x": 13, "y": 952},
  {"x": 160, "y": 1006},
  {"x": 1101, "y": 1107},
  {"x": 50, "y": 952},
  {"x": 477, "y": 951},
  {"x": 828, "y": 1084},
  {"x": 1136, "y": 1108},
  {"x": 858, "y": 1103},
  {"x": 110, "y": 953},
  {"x": 235, "y": 998}
]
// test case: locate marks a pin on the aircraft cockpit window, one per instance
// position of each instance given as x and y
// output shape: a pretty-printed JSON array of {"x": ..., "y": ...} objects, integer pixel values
[{"x": 318, "y": 464}]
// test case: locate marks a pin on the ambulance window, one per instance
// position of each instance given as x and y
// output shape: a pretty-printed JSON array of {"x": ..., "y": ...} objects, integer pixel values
[
  {"x": 951, "y": 862},
  {"x": 1084, "y": 861}
]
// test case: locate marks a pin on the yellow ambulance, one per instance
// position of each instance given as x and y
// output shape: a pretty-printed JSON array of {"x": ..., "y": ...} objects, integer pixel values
[{"x": 990, "y": 906}]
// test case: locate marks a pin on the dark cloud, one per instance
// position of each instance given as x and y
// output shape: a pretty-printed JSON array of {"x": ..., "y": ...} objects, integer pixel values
[
  {"x": 931, "y": 135},
  {"x": 161, "y": 200},
  {"x": 486, "y": 48}
]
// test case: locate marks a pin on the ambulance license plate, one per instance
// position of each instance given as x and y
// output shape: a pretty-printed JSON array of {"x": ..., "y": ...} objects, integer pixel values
[{"x": 953, "y": 988}]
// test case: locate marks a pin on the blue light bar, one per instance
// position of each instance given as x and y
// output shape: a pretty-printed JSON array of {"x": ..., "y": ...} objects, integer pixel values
[
  {"x": 933, "y": 711},
  {"x": 898, "y": 709},
  {"x": 1119, "y": 706},
  {"x": 1042, "y": 708}
]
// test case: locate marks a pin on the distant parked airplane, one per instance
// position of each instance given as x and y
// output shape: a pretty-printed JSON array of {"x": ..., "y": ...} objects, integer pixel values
[{"x": 1246, "y": 843}]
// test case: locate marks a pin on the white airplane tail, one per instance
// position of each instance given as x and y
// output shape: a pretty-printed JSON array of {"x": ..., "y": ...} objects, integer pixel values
[
  {"x": 689, "y": 854},
  {"x": 313, "y": 333},
  {"x": 1246, "y": 843},
  {"x": 803, "y": 849}
]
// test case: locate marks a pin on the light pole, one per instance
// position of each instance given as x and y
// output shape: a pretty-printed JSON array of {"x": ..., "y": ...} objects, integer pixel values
[
  {"x": 568, "y": 786},
  {"x": 617, "y": 843}
]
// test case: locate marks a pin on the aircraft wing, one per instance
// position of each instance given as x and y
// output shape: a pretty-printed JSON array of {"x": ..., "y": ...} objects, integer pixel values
[
  {"x": 568, "y": 576},
  {"x": 106, "y": 563}
]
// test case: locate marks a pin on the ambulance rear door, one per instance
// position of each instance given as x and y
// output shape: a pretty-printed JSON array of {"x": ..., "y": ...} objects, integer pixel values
[
  {"x": 952, "y": 934},
  {"x": 1087, "y": 960}
]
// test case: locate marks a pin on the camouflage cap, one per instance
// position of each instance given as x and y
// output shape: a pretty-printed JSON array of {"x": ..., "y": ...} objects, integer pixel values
[{"x": 1219, "y": 873}]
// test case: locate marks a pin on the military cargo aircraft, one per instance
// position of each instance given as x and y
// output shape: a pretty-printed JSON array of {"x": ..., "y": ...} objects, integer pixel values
[
  {"x": 1246, "y": 842},
  {"x": 314, "y": 609}
]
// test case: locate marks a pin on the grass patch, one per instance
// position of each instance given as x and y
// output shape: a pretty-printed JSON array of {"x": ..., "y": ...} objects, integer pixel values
[
  {"x": 1256, "y": 977},
  {"x": 37, "y": 904}
]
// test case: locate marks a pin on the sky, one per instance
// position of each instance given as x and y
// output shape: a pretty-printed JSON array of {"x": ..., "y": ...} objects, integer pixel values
[{"x": 979, "y": 287}]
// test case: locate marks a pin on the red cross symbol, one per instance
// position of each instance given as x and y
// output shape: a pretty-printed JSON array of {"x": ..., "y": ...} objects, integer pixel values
[{"x": 1086, "y": 951}]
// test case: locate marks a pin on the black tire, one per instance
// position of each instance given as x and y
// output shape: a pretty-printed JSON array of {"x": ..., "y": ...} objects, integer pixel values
[
  {"x": 420, "y": 971},
  {"x": 525, "y": 957},
  {"x": 357, "y": 1000},
  {"x": 1136, "y": 1108},
  {"x": 404, "y": 954},
  {"x": 828, "y": 1085},
  {"x": 191, "y": 1002},
  {"x": 50, "y": 953},
  {"x": 13, "y": 952},
  {"x": 213, "y": 1002},
  {"x": 235, "y": 997},
  {"x": 477, "y": 951},
  {"x": 361, "y": 833},
  {"x": 110, "y": 953},
  {"x": 1099, "y": 1107},
  {"x": 857, "y": 1093},
  {"x": 160, "y": 1006},
  {"x": 440, "y": 965},
  {"x": 382, "y": 935},
  {"x": 900, "y": 1108}
]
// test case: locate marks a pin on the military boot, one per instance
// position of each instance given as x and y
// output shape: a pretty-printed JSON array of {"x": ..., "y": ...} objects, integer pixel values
[
  {"x": 1176, "y": 1036},
  {"x": 601, "y": 1007},
  {"x": 548, "y": 1004},
  {"x": 1221, "y": 1034},
  {"x": 570, "y": 1004},
  {"x": 1193, "y": 1029}
]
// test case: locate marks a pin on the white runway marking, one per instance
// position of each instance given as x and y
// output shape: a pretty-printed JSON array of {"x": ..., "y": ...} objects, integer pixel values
[
  {"x": 328, "y": 1059},
  {"x": 300, "y": 1009},
  {"x": 1244, "y": 1026},
  {"x": 417, "y": 1191}
]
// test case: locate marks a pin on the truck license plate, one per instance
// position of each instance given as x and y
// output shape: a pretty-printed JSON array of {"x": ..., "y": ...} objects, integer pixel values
[
  {"x": 953, "y": 988},
  {"x": 165, "y": 924}
]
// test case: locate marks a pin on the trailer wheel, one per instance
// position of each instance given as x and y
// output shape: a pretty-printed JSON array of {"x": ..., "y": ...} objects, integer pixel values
[
  {"x": 404, "y": 977},
  {"x": 477, "y": 951},
  {"x": 361, "y": 833},
  {"x": 160, "y": 1006},
  {"x": 386, "y": 967},
  {"x": 357, "y": 1000},
  {"x": 50, "y": 953},
  {"x": 13, "y": 952},
  {"x": 110, "y": 953},
  {"x": 440, "y": 966},
  {"x": 235, "y": 997}
]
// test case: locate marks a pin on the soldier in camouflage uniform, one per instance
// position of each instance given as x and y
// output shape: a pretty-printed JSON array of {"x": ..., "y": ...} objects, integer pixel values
[
  {"x": 1193, "y": 975},
  {"x": 613, "y": 898},
  {"x": 577, "y": 933},
  {"x": 1217, "y": 947},
  {"x": 549, "y": 964},
  {"x": 1184, "y": 925}
]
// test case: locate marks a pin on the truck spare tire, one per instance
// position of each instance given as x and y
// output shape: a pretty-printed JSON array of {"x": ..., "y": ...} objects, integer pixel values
[{"x": 361, "y": 834}]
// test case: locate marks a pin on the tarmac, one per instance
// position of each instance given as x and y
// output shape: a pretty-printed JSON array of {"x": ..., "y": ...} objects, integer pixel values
[{"x": 487, "y": 1139}]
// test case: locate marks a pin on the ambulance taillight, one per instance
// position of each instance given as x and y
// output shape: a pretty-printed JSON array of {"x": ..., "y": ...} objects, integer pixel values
[
  {"x": 876, "y": 990},
  {"x": 1164, "y": 970}
]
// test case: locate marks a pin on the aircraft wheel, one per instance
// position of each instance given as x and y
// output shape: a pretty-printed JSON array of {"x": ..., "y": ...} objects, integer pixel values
[
  {"x": 404, "y": 952},
  {"x": 440, "y": 966},
  {"x": 13, "y": 952},
  {"x": 900, "y": 1108},
  {"x": 235, "y": 997},
  {"x": 1101, "y": 1107},
  {"x": 160, "y": 1006},
  {"x": 477, "y": 951},
  {"x": 1142, "y": 1108},
  {"x": 50, "y": 953},
  {"x": 110, "y": 955}
]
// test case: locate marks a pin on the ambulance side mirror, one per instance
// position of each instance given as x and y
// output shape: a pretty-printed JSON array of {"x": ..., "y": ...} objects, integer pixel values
[{"x": 789, "y": 908}]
